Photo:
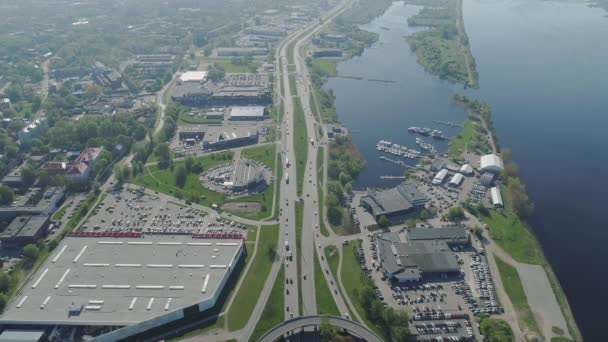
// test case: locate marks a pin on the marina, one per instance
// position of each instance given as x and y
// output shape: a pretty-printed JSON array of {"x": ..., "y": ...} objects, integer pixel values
[
  {"x": 425, "y": 131},
  {"x": 447, "y": 123},
  {"x": 425, "y": 146},
  {"x": 397, "y": 150},
  {"x": 398, "y": 162}
]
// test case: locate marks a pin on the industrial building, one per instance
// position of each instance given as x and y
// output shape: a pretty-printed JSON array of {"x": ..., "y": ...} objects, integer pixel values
[
  {"x": 440, "y": 177},
  {"x": 234, "y": 90},
  {"x": 24, "y": 230},
  {"x": 393, "y": 203},
  {"x": 192, "y": 133},
  {"x": 456, "y": 180},
  {"x": 496, "y": 197},
  {"x": 48, "y": 204},
  {"x": 487, "y": 179},
  {"x": 466, "y": 170},
  {"x": 320, "y": 53},
  {"x": 241, "y": 51},
  {"x": 127, "y": 283},
  {"x": 491, "y": 163},
  {"x": 246, "y": 113},
  {"x": 221, "y": 138},
  {"x": 193, "y": 76},
  {"x": 451, "y": 235},
  {"x": 413, "y": 260}
]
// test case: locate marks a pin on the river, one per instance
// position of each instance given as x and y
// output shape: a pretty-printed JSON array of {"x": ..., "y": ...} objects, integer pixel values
[{"x": 543, "y": 70}]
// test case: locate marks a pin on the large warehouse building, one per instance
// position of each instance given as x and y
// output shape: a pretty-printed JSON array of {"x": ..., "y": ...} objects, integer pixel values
[
  {"x": 491, "y": 163},
  {"x": 128, "y": 282},
  {"x": 393, "y": 203},
  {"x": 413, "y": 260},
  {"x": 247, "y": 113},
  {"x": 234, "y": 90}
]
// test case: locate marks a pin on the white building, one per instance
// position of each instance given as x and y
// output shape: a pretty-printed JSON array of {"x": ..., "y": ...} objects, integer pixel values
[
  {"x": 491, "y": 163},
  {"x": 193, "y": 76},
  {"x": 466, "y": 169},
  {"x": 440, "y": 176},
  {"x": 496, "y": 197},
  {"x": 456, "y": 180}
]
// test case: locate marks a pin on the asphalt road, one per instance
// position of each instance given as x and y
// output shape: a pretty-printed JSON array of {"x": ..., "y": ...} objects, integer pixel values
[{"x": 302, "y": 322}]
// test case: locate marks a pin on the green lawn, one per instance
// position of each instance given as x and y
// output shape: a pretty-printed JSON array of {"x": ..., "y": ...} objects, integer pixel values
[
  {"x": 514, "y": 289},
  {"x": 327, "y": 65},
  {"x": 230, "y": 67},
  {"x": 293, "y": 91},
  {"x": 186, "y": 119},
  {"x": 325, "y": 301},
  {"x": 510, "y": 233},
  {"x": 247, "y": 296},
  {"x": 273, "y": 311},
  {"x": 267, "y": 155},
  {"x": 58, "y": 215},
  {"x": 163, "y": 180},
  {"x": 299, "y": 224},
  {"x": 320, "y": 190},
  {"x": 496, "y": 330},
  {"x": 333, "y": 259},
  {"x": 300, "y": 142},
  {"x": 278, "y": 178},
  {"x": 354, "y": 279}
]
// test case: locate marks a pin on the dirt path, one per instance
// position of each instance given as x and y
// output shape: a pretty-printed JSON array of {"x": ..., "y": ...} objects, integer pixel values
[{"x": 462, "y": 37}]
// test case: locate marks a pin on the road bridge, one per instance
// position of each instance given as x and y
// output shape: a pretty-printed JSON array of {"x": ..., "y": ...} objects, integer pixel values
[{"x": 302, "y": 322}]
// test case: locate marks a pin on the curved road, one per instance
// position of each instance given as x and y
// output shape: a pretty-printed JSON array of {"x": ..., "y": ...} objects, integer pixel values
[{"x": 309, "y": 321}]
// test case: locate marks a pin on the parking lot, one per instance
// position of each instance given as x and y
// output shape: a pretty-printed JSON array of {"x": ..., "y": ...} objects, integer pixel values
[
  {"x": 438, "y": 307},
  {"x": 133, "y": 211}
]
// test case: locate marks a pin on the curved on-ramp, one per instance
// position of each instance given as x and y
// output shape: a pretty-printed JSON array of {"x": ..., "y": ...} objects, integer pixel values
[{"x": 308, "y": 321}]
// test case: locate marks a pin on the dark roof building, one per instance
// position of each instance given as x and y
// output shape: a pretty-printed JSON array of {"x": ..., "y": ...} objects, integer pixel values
[
  {"x": 452, "y": 235},
  {"x": 393, "y": 203},
  {"x": 413, "y": 260},
  {"x": 24, "y": 230}
]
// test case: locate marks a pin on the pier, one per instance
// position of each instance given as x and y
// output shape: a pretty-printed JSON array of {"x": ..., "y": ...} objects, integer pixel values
[{"x": 447, "y": 123}]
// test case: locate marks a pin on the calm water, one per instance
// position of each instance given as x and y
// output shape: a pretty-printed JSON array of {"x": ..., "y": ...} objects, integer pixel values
[{"x": 543, "y": 69}]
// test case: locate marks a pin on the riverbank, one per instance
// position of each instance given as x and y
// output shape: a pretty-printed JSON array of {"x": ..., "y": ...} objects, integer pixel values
[{"x": 443, "y": 49}]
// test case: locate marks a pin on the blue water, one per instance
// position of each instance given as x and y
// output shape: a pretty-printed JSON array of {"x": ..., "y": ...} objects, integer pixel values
[{"x": 543, "y": 69}]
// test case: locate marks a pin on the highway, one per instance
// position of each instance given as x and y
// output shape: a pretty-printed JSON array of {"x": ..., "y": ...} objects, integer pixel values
[
  {"x": 289, "y": 196},
  {"x": 309, "y": 321}
]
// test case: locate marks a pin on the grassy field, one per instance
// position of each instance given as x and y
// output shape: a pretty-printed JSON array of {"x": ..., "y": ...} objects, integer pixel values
[
  {"x": 186, "y": 119},
  {"x": 278, "y": 178},
  {"x": 300, "y": 142},
  {"x": 327, "y": 65},
  {"x": 299, "y": 224},
  {"x": 496, "y": 330},
  {"x": 273, "y": 311},
  {"x": 232, "y": 68},
  {"x": 510, "y": 233},
  {"x": 320, "y": 190},
  {"x": 515, "y": 291},
  {"x": 293, "y": 91},
  {"x": 247, "y": 296},
  {"x": 266, "y": 155},
  {"x": 325, "y": 301},
  {"x": 58, "y": 215},
  {"x": 163, "y": 180},
  {"x": 459, "y": 142},
  {"x": 354, "y": 279}
]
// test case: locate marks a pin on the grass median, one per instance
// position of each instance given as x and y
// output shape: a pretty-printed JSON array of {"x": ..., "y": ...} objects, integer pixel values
[
  {"x": 325, "y": 301},
  {"x": 248, "y": 294},
  {"x": 320, "y": 190},
  {"x": 273, "y": 310},
  {"x": 300, "y": 143}
]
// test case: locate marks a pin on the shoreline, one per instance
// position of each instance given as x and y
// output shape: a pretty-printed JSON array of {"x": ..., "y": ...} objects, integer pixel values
[{"x": 491, "y": 135}]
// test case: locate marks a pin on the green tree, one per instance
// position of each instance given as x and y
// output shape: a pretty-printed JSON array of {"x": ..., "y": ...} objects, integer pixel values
[
  {"x": 455, "y": 214},
  {"x": 31, "y": 251},
  {"x": 326, "y": 330},
  {"x": 383, "y": 222},
  {"x": 28, "y": 175},
  {"x": 5, "y": 282},
  {"x": 180, "y": 176},
  {"x": 7, "y": 195}
]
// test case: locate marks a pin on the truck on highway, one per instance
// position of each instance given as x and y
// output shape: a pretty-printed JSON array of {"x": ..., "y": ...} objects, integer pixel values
[
  {"x": 287, "y": 179},
  {"x": 287, "y": 162},
  {"x": 286, "y": 245}
]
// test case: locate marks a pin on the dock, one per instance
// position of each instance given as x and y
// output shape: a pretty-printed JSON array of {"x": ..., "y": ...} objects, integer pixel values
[
  {"x": 398, "y": 162},
  {"x": 447, "y": 123},
  {"x": 392, "y": 177}
]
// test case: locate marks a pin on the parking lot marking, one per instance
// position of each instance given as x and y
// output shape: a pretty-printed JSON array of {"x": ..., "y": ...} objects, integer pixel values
[
  {"x": 80, "y": 254},
  {"x": 167, "y": 304},
  {"x": 82, "y": 286},
  {"x": 65, "y": 274},
  {"x": 205, "y": 283},
  {"x": 40, "y": 278},
  {"x": 168, "y": 243},
  {"x": 138, "y": 243},
  {"x": 176, "y": 287},
  {"x": 96, "y": 265},
  {"x": 199, "y": 243},
  {"x": 150, "y": 302},
  {"x": 191, "y": 266},
  {"x": 119, "y": 287},
  {"x": 217, "y": 266},
  {"x": 23, "y": 299},
  {"x": 159, "y": 265},
  {"x": 128, "y": 265},
  {"x": 46, "y": 301},
  {"x": 132, "y": 305},
  {"x": 60, "y": 252},
  {"x": 109, "y": 242},
  {"x": 149, "y": 287}
]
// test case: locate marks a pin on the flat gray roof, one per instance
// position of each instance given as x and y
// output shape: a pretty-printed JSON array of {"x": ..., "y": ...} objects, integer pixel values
[
  {"x": 452, "y": 233},
  {"x": 24, "y": 226},
  {"x": 399, "y": 198},
  {"x": 123, "y": 281},
  {"x": 10, "y": 335}
]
